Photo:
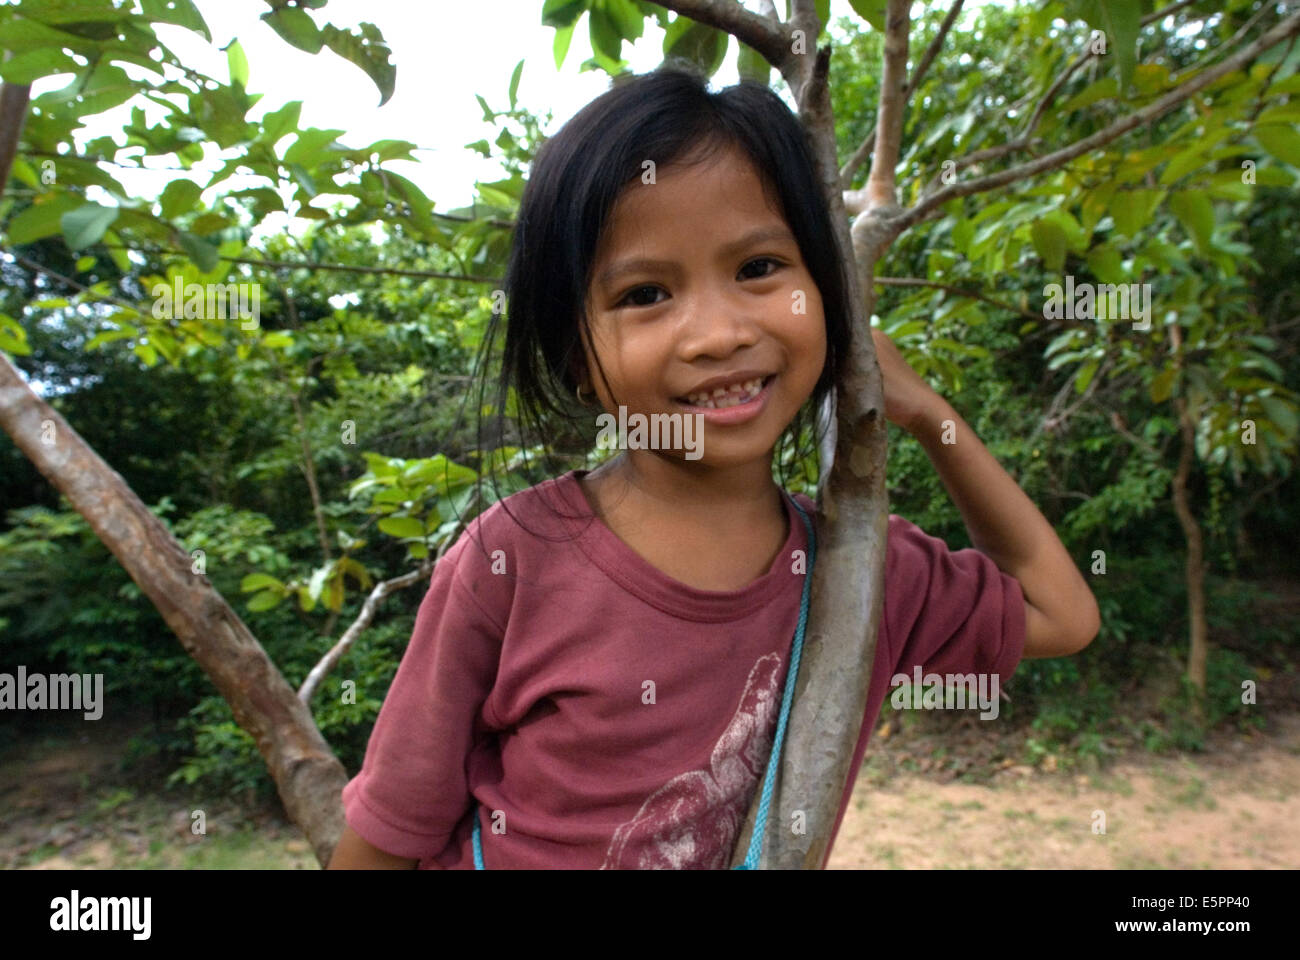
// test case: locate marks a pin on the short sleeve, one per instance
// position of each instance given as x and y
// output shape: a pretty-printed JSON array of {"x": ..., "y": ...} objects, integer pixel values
[
  {"x": 949, "y": 611},
  {"x": 412, "y": 789}
]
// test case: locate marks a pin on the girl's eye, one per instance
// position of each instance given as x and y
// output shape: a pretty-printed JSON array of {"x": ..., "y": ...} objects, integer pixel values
[
  {"x": 632, "y": 294},
  {"x": 776, "y": 265}
]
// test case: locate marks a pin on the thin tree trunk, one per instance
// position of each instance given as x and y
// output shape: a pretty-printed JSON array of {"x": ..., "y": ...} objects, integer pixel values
[
  {"x": 13, "y": 111},
  {"x": 1199, "y": 627},
  {"x": 1198, "y": 652},
  {"x": 309, "y": 777},
  {"x": 852, "y": 519}
]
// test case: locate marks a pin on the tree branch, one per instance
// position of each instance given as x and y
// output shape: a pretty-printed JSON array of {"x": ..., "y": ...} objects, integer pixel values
[
  {"x": 1161, "y": 14},
  {"x": 308, "y": 775},
  {"x": 68, "y": 281},
  {"x": 367, "y": 614},
  {"x": 1050, "y": 95},
  {"x": 881, "y": 187},
  {"x": 13, "y": 111},
  {"x": 850, "y": 169},
  {"x": 932, "y": 51},
  {"x": 1284, "y": 30},
  {"x": 959, "y": 291},
  {"x": 299, "y": 265},
  {"x": 768, "y": 37}
]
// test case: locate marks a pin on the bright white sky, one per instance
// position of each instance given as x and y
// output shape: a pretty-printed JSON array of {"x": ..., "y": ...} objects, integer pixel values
[{"x": 445, "y": 52}]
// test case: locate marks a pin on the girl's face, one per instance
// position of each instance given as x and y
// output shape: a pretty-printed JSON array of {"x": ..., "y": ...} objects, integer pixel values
[{"x": 700, "y": 283}]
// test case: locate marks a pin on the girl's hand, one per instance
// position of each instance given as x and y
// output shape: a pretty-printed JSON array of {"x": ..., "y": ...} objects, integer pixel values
[{"x": 908, "y": 398}]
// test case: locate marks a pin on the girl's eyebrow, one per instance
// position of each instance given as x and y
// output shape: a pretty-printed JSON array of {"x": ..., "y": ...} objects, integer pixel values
[{"x": 774, "y": 233}]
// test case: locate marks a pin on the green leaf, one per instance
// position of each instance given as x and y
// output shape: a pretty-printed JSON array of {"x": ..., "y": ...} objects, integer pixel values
[
  {"x": 279, "y": 122},
  {"x": 562, "y": 13},
  {"x": 182, "y": 13},
  {"x": 963, "y": 231},
  {"x": 1102, "y": 89},
  {"x": 86, "y": 224},
  {"x": 238, "y": 63},
  {"x": 179, "y": 197},
  {"x": 629, "y": 21},
  {"x": 696, "y": 42},
  {"x": 115, "y": 251},
  {"x": 257, "y": 581},
  {"x": 606, "y": 38},
  {"x": 872, "y": 11},
  {"x": 296, "y": 26},
  {"x": 560, "y": 46},
  {"x": 203, "y": 253},
  {"x": 13, "y": 338},
  {"x": 1163, "y": 385},
  {"x": 1120, "y": 20},
  {"x": 1094, "y": 205},
  {"x": 368, "y": 50},
  {"x": 1195, "y": 212},
  {"x": 1085, "y": 375},
  {"x": 1106, "y": 265},
  {"x": 401, "y": 527},
  {"x": 85, "y": 263},
  {"x": 1283, "y": 414},
  {"x": 1132, "y": 209},
  {"x": 1050, "y": 241},
  {"x": 311, "y": 147},
  {"x": 514, "y": 83},
  {"x": 125, "y": 332},
  {"x": 1183, "y": 163},
  {"x": 265, "y": 601},
  {"x": 752, "y": 65},
  {"x": 1281, "y": 141},
  {"x": 34, "y": 64},
  {"x": 146, "y": 353}
]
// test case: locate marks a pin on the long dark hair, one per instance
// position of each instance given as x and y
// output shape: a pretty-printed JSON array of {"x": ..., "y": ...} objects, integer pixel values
[{"x": 668, "y": 116}]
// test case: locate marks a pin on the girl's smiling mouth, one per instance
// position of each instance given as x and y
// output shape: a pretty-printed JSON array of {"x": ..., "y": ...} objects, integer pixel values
[{"x": 735, "y": 403}]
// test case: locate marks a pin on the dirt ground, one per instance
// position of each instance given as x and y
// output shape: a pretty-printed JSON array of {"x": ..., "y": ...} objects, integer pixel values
[
  {"x": 1234, "y": 806},
  {"x": 64, "y": 803}
]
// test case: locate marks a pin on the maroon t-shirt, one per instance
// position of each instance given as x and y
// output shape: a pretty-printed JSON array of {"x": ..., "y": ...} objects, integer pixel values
[{"x": 596, "y": 713}]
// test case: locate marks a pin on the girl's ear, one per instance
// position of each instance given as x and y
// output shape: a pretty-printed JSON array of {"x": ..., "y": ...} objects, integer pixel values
[{"x": 578, "y": 371}]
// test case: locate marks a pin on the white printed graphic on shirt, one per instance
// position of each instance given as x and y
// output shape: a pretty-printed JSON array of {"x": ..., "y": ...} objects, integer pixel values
[{"x": 692, "y": 820}]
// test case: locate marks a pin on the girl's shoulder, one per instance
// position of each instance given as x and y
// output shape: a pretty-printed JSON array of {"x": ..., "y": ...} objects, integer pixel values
[{"x": 522, "y": 522}]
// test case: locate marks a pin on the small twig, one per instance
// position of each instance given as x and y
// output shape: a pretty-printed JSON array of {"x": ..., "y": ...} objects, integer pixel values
[
  {"x": 368, "y": 609},
  {"x": 973, "y": 294},
  {"x": 341, "y": 267}
]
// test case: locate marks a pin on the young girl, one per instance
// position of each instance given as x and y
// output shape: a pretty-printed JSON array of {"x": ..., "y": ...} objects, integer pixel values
[{"x": 595, "y": 674}]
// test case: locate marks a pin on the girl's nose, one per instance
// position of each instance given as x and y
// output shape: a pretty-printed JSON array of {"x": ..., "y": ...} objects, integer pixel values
[{"x": 717, "y": 326}]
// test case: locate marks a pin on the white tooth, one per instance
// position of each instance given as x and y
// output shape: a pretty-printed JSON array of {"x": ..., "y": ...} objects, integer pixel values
[
  {"x": 719, "y": 391},
  {"x": 752, "y": 385}
]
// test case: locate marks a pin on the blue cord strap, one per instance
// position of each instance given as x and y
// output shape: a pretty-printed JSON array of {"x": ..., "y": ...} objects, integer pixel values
[{"x": 769, "y": 782}]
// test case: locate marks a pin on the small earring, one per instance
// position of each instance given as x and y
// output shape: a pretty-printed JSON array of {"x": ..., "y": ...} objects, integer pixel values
[{"x": 578, "y": 392}]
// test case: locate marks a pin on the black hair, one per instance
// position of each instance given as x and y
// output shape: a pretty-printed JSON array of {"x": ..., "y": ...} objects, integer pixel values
[{"x": 668, "y": 116}]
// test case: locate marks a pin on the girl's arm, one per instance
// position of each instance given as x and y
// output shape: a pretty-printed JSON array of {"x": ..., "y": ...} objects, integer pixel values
[
  {"x": 1061, "y": 614},
  {"x": 354, "y": 853}
]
